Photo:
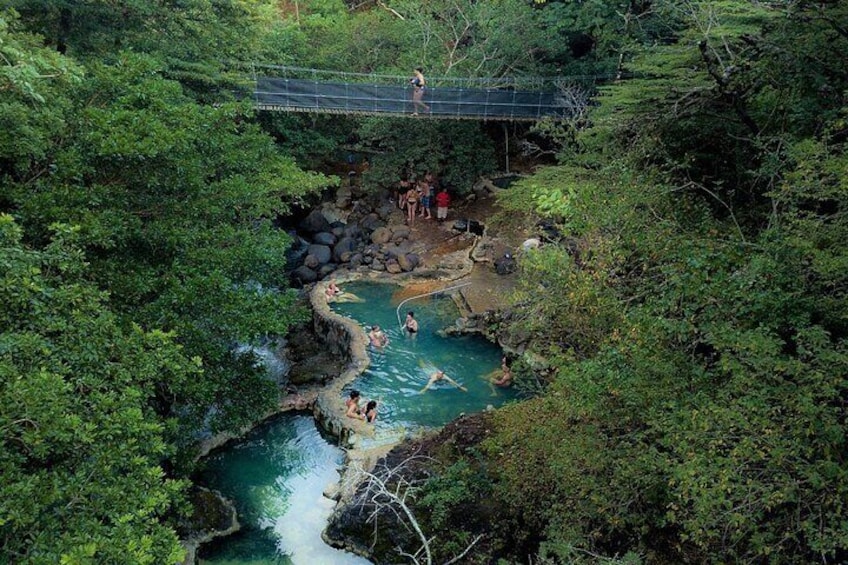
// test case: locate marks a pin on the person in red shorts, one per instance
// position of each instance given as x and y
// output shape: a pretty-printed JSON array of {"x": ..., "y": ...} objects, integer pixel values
[{"x": 442, "y": 202}]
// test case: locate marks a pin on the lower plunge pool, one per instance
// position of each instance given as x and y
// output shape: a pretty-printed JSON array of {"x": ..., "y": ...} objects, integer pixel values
[{"x": 276, "y": 475}]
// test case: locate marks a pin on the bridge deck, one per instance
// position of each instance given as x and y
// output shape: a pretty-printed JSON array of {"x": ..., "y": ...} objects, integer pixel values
[{"x": 299, "y": 95}]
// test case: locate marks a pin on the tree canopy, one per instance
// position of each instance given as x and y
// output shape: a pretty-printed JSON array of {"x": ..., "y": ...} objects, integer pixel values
[{"x": 685, "y": 334}]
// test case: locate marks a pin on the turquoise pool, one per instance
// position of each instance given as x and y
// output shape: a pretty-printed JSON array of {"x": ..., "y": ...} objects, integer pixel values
[
  {"x": 399, "y": 371},
  {"x": 276, "y": 476}
]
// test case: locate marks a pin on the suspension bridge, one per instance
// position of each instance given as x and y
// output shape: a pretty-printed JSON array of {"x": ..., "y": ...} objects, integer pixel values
[{"x": 294, "y": 89}]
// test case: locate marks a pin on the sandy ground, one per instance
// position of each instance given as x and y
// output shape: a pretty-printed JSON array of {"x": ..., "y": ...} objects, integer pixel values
[{"x": 439, "y": 246}]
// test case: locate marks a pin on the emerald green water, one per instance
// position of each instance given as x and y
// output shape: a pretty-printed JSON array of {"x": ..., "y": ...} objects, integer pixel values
[
  {"x": 276, "y": 475},
  {"x": 399, "y": 371}
]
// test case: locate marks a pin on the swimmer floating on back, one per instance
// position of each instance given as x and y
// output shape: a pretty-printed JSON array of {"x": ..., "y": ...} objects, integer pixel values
[{"x": 441, "y": 376}]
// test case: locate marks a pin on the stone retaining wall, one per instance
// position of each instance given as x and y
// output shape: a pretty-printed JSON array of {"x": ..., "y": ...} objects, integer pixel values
[{"x": 346, "y": 339}]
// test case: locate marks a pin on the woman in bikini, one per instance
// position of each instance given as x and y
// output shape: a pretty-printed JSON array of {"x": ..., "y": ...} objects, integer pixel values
[
  {"x": 411, "y": 204},
  {"x": 411, "y": 323},
  {"x": 418, "y": 83}
]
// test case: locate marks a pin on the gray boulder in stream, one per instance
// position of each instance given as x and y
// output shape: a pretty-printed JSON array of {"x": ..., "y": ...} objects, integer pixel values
[
  {"x": 321, "y": 252},
  {"x": 315, "y": 222},
  {"x": 304, "y": 275},
  {"x": 324, "y": 238}
]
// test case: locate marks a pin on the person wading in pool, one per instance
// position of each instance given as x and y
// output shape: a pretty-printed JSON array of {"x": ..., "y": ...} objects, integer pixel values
[
  {"x": 377, "y": 337},
  {"x": 371, "y": 411},
  {"x": 441, "y": 376},
  {"x": 411, "y": 324}
]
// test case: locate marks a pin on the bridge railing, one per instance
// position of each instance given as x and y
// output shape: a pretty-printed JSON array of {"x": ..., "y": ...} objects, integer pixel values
[
  {"x": 287, "y": 94},
  {"x": 320, "y": 75}
]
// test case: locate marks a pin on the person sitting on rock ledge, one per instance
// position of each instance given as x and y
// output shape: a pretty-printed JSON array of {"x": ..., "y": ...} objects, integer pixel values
[
  {"x": 505, "y": 379},
  {"x": 333, "y": 289},
  {"x": 352, "y": 403}
]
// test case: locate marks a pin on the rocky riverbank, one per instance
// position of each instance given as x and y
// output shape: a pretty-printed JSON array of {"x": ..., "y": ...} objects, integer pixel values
[{"x": 428, "y": 256}]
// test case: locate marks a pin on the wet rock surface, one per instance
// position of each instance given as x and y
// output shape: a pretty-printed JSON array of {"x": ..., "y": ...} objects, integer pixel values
[{"x": 212, "y": 516}]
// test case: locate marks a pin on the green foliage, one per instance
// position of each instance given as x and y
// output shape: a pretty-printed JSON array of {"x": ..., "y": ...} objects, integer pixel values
[
  {"x": 81, "y": 447},
  {"x": 174, "y": 202},
  {"x": 455, "y": 152},
  {"x": 694, "y": 313},
  {"x": 30, "y": 75},
  {"x": 191, "y": 38}
]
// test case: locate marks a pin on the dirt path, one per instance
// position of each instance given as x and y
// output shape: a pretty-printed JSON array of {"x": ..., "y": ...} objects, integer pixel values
[{"x": 442, "y": 248}]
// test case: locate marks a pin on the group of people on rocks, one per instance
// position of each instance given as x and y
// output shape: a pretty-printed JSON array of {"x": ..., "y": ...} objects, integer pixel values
[
  {"x": 368, "y": 414},
  {"x": 416, "y": 197}
]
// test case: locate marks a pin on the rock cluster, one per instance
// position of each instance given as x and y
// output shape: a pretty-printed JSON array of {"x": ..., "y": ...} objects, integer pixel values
[{"x": 372, "y": 239}]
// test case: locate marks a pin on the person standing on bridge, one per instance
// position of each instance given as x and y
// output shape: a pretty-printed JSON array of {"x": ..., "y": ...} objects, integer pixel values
[{"x": 418, "y": 83}]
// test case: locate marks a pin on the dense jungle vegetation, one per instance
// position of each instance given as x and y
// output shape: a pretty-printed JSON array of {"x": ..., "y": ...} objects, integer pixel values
[{"x": 687, "y": 392}]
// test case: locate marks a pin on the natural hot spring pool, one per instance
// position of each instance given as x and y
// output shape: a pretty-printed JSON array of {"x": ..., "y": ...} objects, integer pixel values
[
  {"x": 399, "y": 372},
  {"x": 276, "y": 474}
]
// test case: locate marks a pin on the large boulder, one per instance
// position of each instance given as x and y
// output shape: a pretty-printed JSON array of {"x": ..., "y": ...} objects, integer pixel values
[
  {"x": 381, "y": 235},
  {"x": 407, "y": 262},
  {"x": 371, "y": 222},
  {"x": 304, "y": 275},
  {"x": 297, "y": 250},
  {"x": 393, "y": 267},
  {"x": 315, "y": 222},
  {"x": 324, "y": 238},
  {"x": 343, "y": 197},
  {"x": 311, "y": 261},
  {"x": 385, "y": 210},
  {"x": 321, "y": 252},
  {"x": 326, "y": 269},
  {"x": 395, "y": 251},
  {"x": 400, "y": 232},
  {"x": 353, "y": 231},
  {"x": 345, "y": 245},
  {"x": 505, "y": 265}
]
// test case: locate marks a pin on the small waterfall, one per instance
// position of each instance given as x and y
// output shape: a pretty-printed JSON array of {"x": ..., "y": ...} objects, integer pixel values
[{"x": 270, "y": 355}]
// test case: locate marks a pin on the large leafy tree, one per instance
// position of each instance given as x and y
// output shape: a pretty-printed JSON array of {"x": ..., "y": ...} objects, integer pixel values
[
  {"x": 192, "y": 39},
  {"x": 81, "y": 446},
  {"x": 174, "y": 202}
]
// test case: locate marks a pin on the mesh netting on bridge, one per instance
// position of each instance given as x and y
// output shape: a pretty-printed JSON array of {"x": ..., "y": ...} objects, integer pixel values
[{"x": 308, "y": 90}]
